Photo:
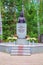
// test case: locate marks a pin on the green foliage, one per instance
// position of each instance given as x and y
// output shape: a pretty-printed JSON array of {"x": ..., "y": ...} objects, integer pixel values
[
  {"x": 0, "y": 36},
  {"x": 11, "y": 11},
  {"x": 31, "y": 17},
  {"x": 8, "y": 16},
  {"x": 41, "y": 29},
  {"x": 41, "y": 16}
]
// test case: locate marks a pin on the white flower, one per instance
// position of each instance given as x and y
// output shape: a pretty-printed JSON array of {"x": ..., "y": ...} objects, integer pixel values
[
  {"x": 28, "y": 38},
  {"x": 34, "y": 38},
  {"x": 14, "y": 38},
  {"x": 31, "y": 39},
  {"x": 9, "y": 38}
]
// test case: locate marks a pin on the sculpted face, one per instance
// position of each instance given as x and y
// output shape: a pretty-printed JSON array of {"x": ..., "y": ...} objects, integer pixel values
[{"x": 21, "y": 19}]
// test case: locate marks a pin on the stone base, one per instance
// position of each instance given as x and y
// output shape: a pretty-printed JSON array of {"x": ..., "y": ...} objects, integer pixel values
[
  {"x": 22, "y": 42},
  {"x": 20, "y": 51},
  {"x": 21, "y": 30}
]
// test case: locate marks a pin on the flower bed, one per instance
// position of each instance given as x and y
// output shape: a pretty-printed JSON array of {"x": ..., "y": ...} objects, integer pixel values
[
  {"x": 11, "y": 39},
  {"x": 31, "y": 39}
]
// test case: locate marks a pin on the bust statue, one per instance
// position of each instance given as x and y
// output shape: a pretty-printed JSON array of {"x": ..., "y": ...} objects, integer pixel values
[{"x": 21, "y": 19}]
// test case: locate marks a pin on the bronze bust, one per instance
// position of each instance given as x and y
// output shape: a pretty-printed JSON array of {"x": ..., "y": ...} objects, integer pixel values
[{"x": 21, "y": 19}]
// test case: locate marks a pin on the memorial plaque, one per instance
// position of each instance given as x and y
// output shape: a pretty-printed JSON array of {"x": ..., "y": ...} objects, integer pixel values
[{"x": 21, "y": 30}]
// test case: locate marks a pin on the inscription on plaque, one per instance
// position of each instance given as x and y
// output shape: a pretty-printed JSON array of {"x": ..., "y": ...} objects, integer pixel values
[{"x": 21, "y": 30}]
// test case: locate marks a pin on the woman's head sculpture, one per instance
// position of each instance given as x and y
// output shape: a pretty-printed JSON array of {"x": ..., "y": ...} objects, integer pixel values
[
  {"x": 21, "y": 19},
  {"x": 21, "y": 14}
]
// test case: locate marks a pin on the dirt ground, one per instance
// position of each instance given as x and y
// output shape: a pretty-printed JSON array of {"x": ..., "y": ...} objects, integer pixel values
[{"x": 34, "y": 59}]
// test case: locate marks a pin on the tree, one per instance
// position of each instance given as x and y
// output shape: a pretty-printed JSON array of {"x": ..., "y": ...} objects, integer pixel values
[
  {"x": 31, "y": 17},
  {"x": 41, "y": 16},
  {"x": 9, "y": 18},
  {"x": 11, "y": 11}
]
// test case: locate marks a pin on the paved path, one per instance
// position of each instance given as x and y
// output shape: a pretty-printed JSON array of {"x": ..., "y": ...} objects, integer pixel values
[{"x": 35, "y": 59}]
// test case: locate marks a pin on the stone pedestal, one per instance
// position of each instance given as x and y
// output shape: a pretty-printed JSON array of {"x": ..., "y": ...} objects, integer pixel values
[
  {"x": 21, "y": 48},
  {"x": 22, "y": 42},
  {"x": 21, "y": 31}
]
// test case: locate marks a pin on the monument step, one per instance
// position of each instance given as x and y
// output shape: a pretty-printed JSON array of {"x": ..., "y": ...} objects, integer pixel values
[
  {"x": 14, "y": 51},
  {"x": 24, "y": 48},
  {"x": 20, "y": 50},
  {"x": 22, "y": 54}
]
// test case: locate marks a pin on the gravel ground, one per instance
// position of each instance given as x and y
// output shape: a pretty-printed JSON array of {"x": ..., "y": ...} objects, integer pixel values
[{"x": 35, "y": 59}]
